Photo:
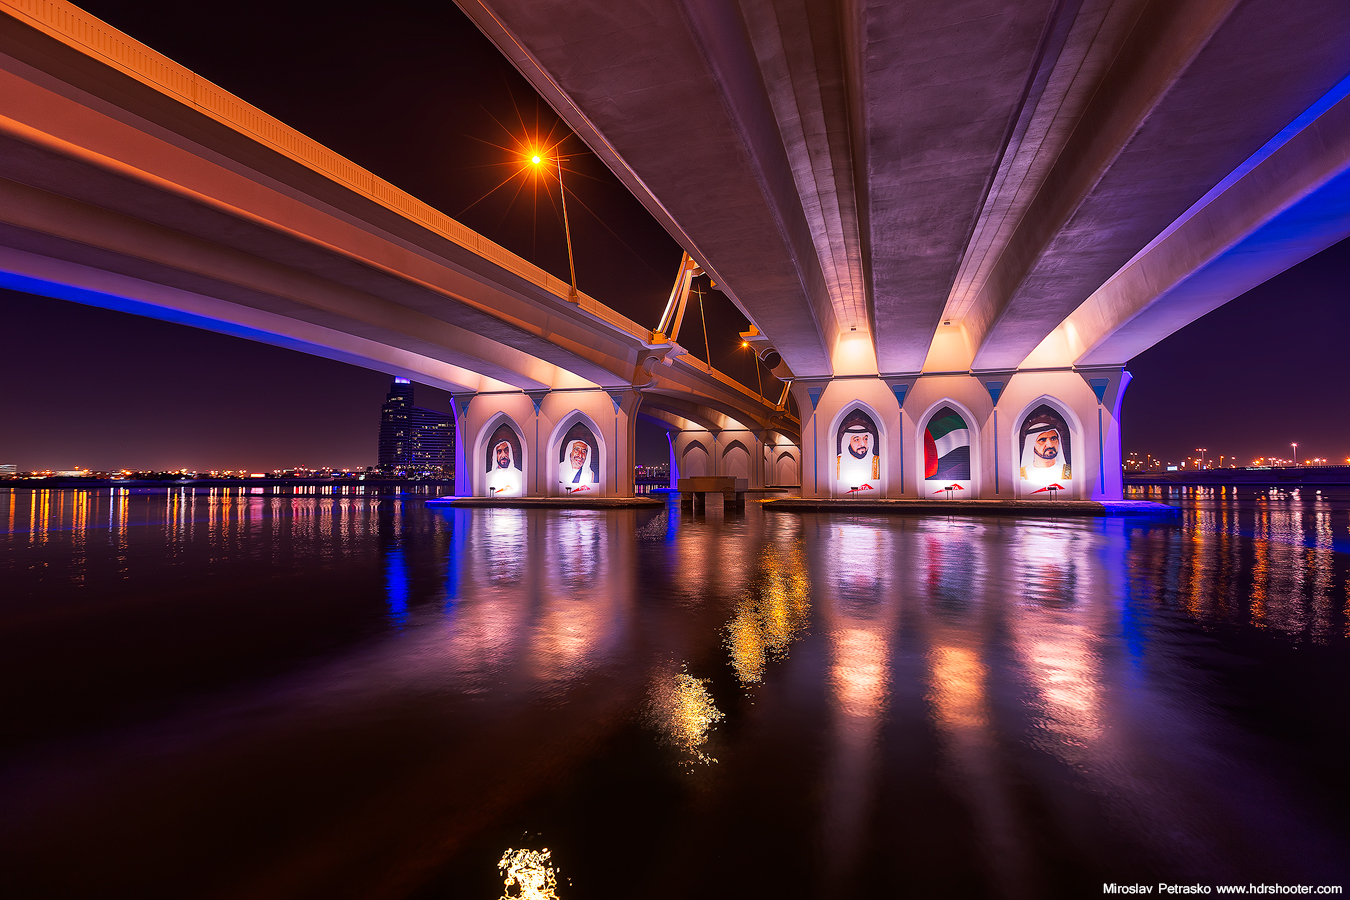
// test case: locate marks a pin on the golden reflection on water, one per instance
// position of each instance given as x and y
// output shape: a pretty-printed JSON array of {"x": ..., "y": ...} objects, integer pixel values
[
  {"x": 1055, "y": 637},
  {"x": 957, "y": 692},
  {"x": 685, "y": 713},
  {"x": 582, "y": 611},
  {"x": 771, "y": 615},
  {"x": 528, "y": 875},
  {"x": 858, "y": 610},
  {"x": 859, "y": 671}
]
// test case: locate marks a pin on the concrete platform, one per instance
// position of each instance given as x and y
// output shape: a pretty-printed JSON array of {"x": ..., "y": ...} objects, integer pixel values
[
  {"x": 551, "y": 502},
  {"x": 1026, "y": 508}
]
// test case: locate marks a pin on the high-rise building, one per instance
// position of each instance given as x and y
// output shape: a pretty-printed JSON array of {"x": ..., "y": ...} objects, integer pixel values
[{"x": 414, "y": 442}]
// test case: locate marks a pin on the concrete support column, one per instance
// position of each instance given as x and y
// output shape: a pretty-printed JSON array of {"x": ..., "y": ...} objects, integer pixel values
[
  {"x": 535, "y": 478},
  {"x": 775, "y": 445},
  {"x": 825, "y": 404},
  {"x": 1108, "y": 385},
  {"x": 459, "y": 406},
  {"x": 693, "y": 453},
  {"x": 808, "y": 395},
  {"x": 673, "y": 462},
  {"x": 757, "y": 472},
  {"x": 1088, "y": 401},
  {"x": 626, "y": 404}
]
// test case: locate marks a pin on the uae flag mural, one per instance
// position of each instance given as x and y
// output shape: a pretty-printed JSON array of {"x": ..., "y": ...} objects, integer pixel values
[{"x": 946, "y": 455}]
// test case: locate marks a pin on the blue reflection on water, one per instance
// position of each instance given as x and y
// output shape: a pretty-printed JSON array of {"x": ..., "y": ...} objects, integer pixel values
[
  {"x": 458, "y": 522},
  {"x": 397, "y": 585}
]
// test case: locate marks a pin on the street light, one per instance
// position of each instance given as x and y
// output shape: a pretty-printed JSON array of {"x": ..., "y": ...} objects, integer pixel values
[
  {"x": 573, "y": 297},
  {"x": 1295, "y": 446},
  {"x": 759, "y": 379}
]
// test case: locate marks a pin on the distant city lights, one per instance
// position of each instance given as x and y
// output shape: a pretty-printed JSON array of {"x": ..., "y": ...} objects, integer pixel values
[{"x": 1147, "y": 462}]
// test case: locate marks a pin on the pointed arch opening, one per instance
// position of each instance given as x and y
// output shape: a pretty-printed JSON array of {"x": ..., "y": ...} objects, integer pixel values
[
  {"x": 1047, "y": 451},
  {"x": 786, "y": 470},
  {"x": 736, "y": 460},
  {"x": 577, "y": 457},
  {"x": 694, "y": 460},
  {"x": 858, "y": 441},
  {"x": 947, "y": 457},
  {"x": 500, "y": 459}
]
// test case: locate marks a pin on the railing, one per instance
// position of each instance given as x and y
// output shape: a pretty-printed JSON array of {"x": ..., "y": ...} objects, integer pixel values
[
  {"x": 78, "y": 29},
  {"x": 699, "y": 365}
]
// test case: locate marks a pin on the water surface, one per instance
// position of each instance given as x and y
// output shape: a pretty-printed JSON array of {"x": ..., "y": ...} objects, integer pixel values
[{"x": 218, "y": 694}]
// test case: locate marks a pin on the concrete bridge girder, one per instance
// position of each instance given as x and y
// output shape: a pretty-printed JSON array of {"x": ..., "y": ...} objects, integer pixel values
[
  {"x": 48, "y": 276},
  {"x": 666, "y": 420},
  {"x": 232, "y": 288},
  {"x": 682, "y": 414},
  {"x": 206, "y": 211},
  {"x": 285, "y": 260},
  {"x": 1286, "y": 203},
  {"x": 969, "y": 173},
  {"x": 1162, "y": 127}
]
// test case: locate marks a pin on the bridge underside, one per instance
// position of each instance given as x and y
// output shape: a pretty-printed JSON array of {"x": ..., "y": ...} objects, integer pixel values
[{"x": 902, "y": 187}]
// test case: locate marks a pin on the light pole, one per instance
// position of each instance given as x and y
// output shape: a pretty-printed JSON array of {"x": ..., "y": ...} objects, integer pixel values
[
  {"x": 759, "y": 379},
  {"x": 1295, "y": 446},
  {"x": 1201, "y": 451},
  {"x": 573, "y": 297}
]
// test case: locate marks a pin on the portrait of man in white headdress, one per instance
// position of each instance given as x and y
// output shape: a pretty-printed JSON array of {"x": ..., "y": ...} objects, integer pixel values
[
  {"x": 578, "y": 461},
  {"x": 504, "y": 475},
  {"x": 858, "y": 457},
  {"x": 1046, "y": 462}
]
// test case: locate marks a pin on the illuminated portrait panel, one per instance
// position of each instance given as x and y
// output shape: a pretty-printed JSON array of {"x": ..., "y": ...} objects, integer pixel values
[
  {"x": 946, "y": 455},
  {"x": 1045, "y": 454},
  {"x": 505, "y": 473},
  {"x": 857, "y": 447},
  {"x": 579, "y": 462}
]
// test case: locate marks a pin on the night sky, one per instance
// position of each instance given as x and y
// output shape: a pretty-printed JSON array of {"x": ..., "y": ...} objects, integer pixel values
[{"x": 423, "y": 100}]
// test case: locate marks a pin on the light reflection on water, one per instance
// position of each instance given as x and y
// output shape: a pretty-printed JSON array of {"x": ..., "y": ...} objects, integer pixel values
[
  {"x": 684, "y": 713},
  {"x": 528, "y": 875},
  {"x": 774, "y": 609},
  {"x": 959, "y": 706}
]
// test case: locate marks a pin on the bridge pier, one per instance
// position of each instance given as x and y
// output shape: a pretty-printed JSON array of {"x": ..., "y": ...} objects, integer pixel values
[
  {"x": 964, "y": 435},
  {"x": 575, "y": 442}
]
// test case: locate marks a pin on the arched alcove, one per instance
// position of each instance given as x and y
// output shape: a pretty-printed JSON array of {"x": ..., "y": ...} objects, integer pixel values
[
  {"x": 694, "y": 460},
  {"x": 858, "y": 467},
  {"x": 575, "y": 438},
  {"x": 1047, "y": 450},
  {"x": 491, "y": 477},
  {"x": 786, "y": 470},
  {"x": 736, "y": 460},
  {"x": 947, "y": 457}
]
